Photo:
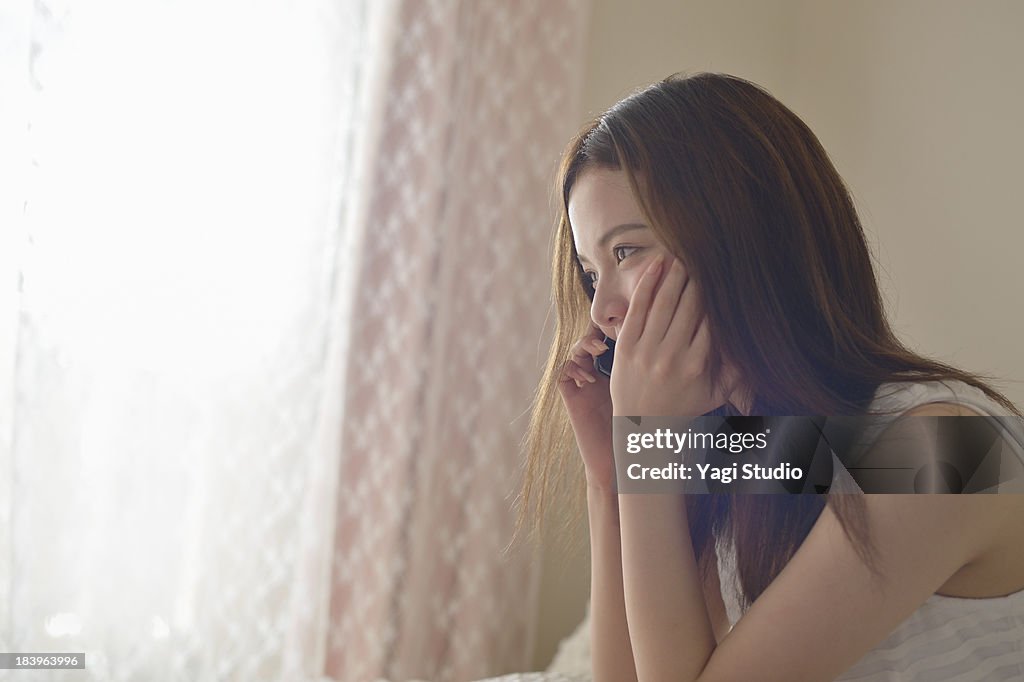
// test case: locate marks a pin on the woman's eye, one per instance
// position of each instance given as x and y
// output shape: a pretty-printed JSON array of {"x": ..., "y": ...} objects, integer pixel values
[{"x": 618, "y": 252}]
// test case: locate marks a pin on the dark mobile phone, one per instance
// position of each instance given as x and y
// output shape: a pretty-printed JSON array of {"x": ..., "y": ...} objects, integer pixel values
[{"x": 603, "y": 362}]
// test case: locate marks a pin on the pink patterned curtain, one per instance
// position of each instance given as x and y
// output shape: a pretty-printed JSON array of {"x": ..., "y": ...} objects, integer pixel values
[{"x": 453, "y": 293}]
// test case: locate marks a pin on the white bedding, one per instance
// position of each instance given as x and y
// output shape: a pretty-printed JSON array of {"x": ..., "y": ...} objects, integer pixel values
[
  {"x": 538, "y": 677},
  {"x": 571, "y": 662}
]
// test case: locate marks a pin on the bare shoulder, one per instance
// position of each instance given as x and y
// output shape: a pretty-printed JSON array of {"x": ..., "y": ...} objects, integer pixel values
[
  {"x": 941, "y": 410},
  {"x": 1008, "y": 503},
  {"x": 997, "y": 565}
]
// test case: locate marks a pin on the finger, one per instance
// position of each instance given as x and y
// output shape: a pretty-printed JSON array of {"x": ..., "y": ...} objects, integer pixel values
[
  {"x": 564, "y": 381},
  {"x": 701, "y": 349},
  {"x": 595, "y": 332},
  {"x": 582, "y": 374},
  {"x": 633, "y": 325},
  {"x": 687, "y": 319},
  {"x": 731, "y": 377},
  {"x": 579, "y": 367},
  {"x": 569, "y": 372},
  {"x": 586, "y": 349},
  {"x": 596, "y": 340},
  {"x": 700, "y": 346},
  {"x": 666, "y": 301},
  {"x": 597, "y": 347},
  {"x": 578, "y": 352},
  {"x": 568, "y": 378}
]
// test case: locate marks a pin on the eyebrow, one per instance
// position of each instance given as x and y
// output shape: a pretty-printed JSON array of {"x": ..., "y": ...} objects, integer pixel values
[{"x": 611, "y": 234}]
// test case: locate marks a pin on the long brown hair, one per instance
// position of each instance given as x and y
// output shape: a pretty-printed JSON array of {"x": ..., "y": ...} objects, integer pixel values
[{"x": 740, "y": 189}]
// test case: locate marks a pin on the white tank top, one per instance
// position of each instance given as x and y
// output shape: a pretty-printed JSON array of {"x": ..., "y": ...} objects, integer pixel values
[{"x": 947, "y": 638}]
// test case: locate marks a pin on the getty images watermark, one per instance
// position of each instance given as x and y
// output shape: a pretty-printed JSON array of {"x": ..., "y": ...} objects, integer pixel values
[{"x": 817, "y": 455}]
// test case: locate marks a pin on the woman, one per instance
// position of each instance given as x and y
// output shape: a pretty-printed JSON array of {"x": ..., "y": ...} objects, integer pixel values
[{"x": 705, "y": 230}]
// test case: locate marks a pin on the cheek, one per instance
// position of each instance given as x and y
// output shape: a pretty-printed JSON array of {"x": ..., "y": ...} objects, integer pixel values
[
  {"x": 632, "y": 277},
  {"x": 631, "y": 281}
]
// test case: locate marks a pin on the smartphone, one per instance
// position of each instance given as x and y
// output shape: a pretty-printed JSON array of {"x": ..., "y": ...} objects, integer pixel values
[{"x": 603, "y": 362}]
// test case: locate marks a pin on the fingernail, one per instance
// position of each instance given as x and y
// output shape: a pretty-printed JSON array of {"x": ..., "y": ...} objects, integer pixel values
[
  {"x": 655, "y": 268},
  {"x": 599, "y": 346},
  {"x": 590, "y": 378}
]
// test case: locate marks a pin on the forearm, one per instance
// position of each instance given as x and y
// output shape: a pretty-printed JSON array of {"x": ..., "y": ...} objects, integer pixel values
[
  {"x": 671, "y": 633},
  {"x": 611, "y": 653}
]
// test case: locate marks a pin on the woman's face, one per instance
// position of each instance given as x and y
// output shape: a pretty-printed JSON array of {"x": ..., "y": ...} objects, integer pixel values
[
  {"x": 615, "y": 246},
  {"x": 613, "y": 242}
]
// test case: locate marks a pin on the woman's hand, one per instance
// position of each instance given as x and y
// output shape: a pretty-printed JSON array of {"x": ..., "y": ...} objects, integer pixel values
[
  {"x": 662, "y": 350},
  {"x": 584, "y": 391}
]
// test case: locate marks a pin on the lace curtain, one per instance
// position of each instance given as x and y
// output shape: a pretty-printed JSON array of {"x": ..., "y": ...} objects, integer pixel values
[{"x": 272, "y": 285}]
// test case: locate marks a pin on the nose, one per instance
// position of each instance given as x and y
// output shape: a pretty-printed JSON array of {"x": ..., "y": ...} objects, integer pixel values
[{"x": 608, "y": 308}]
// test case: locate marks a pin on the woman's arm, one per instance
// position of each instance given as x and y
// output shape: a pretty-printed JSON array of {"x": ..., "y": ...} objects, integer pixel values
[
  {"x": 611, "y": 654},
  {"x": 670, "y": 628},
  {"x": 822, "y": 613},
  {"x": 588, "y": 404},
  {"x": 611, "y": 651}
]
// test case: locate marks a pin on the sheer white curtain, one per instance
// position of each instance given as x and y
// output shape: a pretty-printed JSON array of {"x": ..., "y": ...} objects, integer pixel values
[
  {"x": 272, "y": 277},
  {"x": 174, "y": 256}
]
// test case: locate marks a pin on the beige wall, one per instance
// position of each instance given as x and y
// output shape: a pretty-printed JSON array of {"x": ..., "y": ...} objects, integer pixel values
[{"x": 919, "y": 104}]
